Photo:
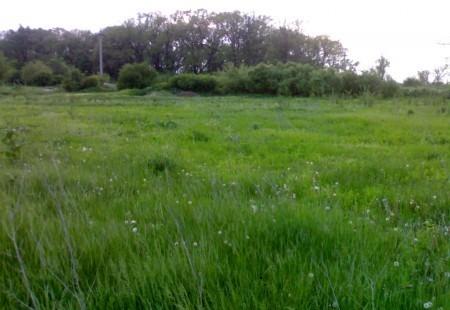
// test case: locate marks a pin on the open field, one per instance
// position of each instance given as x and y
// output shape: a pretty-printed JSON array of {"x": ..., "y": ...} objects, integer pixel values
[{"x": 163, "y": 202}]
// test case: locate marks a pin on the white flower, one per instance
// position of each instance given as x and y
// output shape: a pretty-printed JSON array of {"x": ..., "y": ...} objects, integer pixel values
[
  {"x": 132, "y": 222},
  {"x": 327, "y": 208},
  {"x": 189, "y": 202},
  {"x": 310, "y": 275},
  {"x": 434, "y": 197},
  {"x": 219, "y": 232},
  {"x": 195, "y": 244},
  {"x": 84, "y": 149},
  {"x": 428, "y": 305},
  {"x": 316, "y": 188},
  {"x": 134, "y": 229},
  {"x": 294, "y": 196},
  {"x": 396, "y": 264}
]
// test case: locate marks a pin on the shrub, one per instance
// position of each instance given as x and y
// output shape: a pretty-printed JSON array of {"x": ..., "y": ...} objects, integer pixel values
[
  {"x": 92, "y": 81},
  {"x": 136, "y": 76},
  {"x": 194, "y": 82},
  {"x": 351, "y": 84},
  {"x": 72, "y": 81},
  {"x": 37, "y": 73},
  {"x": 389, "y": 89},
  {"x": 264, "y": 79},
  {"x": 233, "y": 80},
  {"x": 60, "y": 69},
  {"x": 325, "y": 82}
]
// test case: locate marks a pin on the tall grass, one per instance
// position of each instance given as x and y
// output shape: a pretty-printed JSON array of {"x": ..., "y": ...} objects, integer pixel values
[{"x": 287, "y": 203}]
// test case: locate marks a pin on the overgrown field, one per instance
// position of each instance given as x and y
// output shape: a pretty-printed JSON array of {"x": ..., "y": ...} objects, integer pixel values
[{"x": 109, "y": 201}]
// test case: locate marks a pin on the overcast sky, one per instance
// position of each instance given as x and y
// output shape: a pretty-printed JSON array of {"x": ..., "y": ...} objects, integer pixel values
[{"x": 407, "y": 32}]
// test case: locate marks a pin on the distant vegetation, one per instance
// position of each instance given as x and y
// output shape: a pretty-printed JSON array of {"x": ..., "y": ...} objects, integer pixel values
[{"x": 199, "y": 51}]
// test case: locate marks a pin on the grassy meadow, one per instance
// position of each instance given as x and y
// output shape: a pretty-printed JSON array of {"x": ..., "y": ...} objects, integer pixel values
[{"x": 112, "y": 201}]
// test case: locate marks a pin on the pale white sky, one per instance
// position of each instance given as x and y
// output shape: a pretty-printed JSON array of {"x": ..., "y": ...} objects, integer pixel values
[{"x": 404, "y": 31}]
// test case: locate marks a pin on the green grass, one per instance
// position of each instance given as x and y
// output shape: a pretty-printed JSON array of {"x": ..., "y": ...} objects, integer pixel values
[{"x": 239, "y": 202}]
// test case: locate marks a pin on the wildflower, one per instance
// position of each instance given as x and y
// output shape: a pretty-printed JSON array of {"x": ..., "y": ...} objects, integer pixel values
[
  {"x": 327, "y": 208},
  {"x": 176, "y": 243},
  {"x": 415, "y": 240},
  {"x": 254, "y": 208},
  {"x": 434, "y": 197},
  {"x": 189, "y": 202},
  {"x": 219, "y": 232},
  {"x": 132, "y": 222},
  {"x": 135, "y": 230},
  {"x": 316, "y": 188},
  {"x": 195, "y": 244},
  {"x": 84, "y": 149},
  {"x": 388, "y": 219},
  {"x": 310, "y": 275},
  {"x": 334, "y": 194},
  {"x": 294, "y": 196},
  {"x": 396, "y": 264},
  {"x": 428, "y": 305}
]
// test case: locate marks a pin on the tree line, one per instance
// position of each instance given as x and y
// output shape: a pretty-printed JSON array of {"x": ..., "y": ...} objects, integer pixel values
[{"x": 188, "y": 41}]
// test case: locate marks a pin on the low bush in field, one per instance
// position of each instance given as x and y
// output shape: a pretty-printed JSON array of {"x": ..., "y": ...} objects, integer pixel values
[
  {"x": 194, "y": 82},
  {"x": 136, "y": 76},
  {"x": 92, "y": 81},
  {"x": 72, "y": 81}
]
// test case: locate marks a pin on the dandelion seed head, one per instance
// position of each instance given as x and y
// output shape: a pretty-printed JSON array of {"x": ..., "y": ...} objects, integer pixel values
[
  {"x": 396, "y": 264},
  {"x": 428, "y": 305}
]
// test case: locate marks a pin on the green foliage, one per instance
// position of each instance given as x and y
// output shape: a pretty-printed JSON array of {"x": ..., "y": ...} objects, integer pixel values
[
  {"x": 59, "y": 69},
  {"x": 4, "y": 68},
  {"x": 194, "y": 82},
  {"x": 12, "y": 144},
  {"x": 91, "y": 82},
  {"x": 412, "y": 82},
  {"x": 73, "y": 80},
  {"x": 37, "y": 73},
  {"x": 136, "y": 76}
]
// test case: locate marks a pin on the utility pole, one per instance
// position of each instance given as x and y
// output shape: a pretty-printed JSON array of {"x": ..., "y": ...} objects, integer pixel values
[{"x": 100, "y": 54}]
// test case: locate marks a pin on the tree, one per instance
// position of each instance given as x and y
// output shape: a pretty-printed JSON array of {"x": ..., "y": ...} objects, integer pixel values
[
  {"x": 439, "y": 74},
  {"x": 424, "y": 76},
  {"x": 381, "y": 66},
  {"x": 4, "y": 67},
  {"x": 37, "y": 73}
]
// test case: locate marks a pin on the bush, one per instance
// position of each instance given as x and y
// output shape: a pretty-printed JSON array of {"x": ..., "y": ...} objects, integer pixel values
[
  {"x": 264, "y": 79},
  {"x": 194, "y": 82},
  {"x": 136, "y": 76},
  {"x": 72, "y": 81},
  {"x": 60, "y": 69},
  {"x": 92, "y": 81},
  {"x": 37, "y": 73},
  {"x": 389, "y": 89}
]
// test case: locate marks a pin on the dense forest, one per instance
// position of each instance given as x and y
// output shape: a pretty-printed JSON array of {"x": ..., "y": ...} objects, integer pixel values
[{"x": 194, "y": 42}]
